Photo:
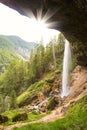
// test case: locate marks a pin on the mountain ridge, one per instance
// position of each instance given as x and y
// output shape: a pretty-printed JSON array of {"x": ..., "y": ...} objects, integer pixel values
[
  {"x": 12, "y": 47},
  {"x": 21, "y": 46}
]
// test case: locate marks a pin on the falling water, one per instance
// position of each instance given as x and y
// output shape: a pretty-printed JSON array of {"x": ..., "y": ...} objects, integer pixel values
[{"x": 66, "y": 70}]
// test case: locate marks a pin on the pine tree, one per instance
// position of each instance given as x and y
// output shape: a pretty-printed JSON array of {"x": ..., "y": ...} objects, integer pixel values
[
  {"x": 2, "y": 103},
  {"x": 13, "y": 103}
]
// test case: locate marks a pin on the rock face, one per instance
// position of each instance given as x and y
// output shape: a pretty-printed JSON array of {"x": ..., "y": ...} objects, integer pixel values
[
  {"x": 78, "y": 87},
  {"x": 70, "y": 17}
]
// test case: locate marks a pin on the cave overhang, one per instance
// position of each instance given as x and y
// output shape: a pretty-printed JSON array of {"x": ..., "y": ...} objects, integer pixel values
[{"x": 69, "y": 16}]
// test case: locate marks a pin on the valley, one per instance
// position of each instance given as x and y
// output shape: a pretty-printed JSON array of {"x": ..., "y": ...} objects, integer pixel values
[{"x": 30, "y": 92}]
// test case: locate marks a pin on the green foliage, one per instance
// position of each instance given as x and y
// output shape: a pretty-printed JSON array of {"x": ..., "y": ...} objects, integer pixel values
[
  {"x": 5, "y": 43},
  {"x": 20, "y": 74},
  {"x": 34, "y": 89},
  {"x": 51, "y": 104},
  {"x": 61, "y": 39},
  {"x": 17, "y": 41},
  {"x": 12, "y": 113},
  {"x": 76, "y": 119},
  {"x": 32, "y": 116},
  {"x": 38, "y": 87},
  {"x": 35, "y": 116},
  {"x": 7, "y": 53},
  {"x": 2, "y": 104},
  {"x": 13, "y": 103},
  {"x": 12, "y": 78},
  {"x": 11, "y": 47}
]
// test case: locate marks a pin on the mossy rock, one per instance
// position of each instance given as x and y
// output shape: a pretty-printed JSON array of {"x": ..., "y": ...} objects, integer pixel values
[
  {"x": 52, "y": 104},
  {"x": 3, "y": 119},
  {"x": 28, "y": 100},
  {"x": 30, "y": 94},
  {"x": 20, "y": 117},
  {"x": 47, "y": 91},
  {"x": 50, "y": 80},
  {"x": 58, "y": 72}
]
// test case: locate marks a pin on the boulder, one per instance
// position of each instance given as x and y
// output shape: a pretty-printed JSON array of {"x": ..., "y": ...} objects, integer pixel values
[
  {"x": 43, "y": 109},
  {"x": 50, "y": 80},
  {"x": 3, "y": 119},
  {"x": 28, "y": 100},
  {"x": 51, "y": 104},
  {"x": 20, "y": 117},
  {"x": 47, "y": 92}
]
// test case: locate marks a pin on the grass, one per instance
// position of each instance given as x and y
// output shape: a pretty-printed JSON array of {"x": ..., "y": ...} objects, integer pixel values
[
  {"x": 32, "y": 90},
  {"x": 37, "y": 87},
  {"x": 35, "y": 116},
  {"x": 76, "y": 119},
  {"x": 32, "y": 116},
  {"x": 10, "y": 114}
]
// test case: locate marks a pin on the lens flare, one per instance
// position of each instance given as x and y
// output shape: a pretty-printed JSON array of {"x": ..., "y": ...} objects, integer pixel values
[{"x": 41, "y": 19}]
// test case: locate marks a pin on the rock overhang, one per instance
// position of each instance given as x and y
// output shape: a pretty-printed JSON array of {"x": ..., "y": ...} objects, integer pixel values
[{"x": 69, "y": 16}]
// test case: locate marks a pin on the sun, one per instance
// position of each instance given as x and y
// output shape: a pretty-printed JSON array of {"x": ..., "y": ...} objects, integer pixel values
[
  {"x": 38, "y": 25},
  {"x": 41, "y": 24},
  {"x": 39, "y": 29},
  {"x": 29, "y": 28}
]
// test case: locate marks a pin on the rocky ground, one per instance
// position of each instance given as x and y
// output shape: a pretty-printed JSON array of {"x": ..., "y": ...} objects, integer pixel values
[{"x": 78, "y": 89}]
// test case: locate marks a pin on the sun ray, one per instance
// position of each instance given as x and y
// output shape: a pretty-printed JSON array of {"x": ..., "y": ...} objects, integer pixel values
[
  {"x": 45, "y": 19},
  {"x": 30, "y": 28}
]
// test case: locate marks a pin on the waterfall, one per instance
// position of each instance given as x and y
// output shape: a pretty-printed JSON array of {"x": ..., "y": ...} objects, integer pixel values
[{"x": 66, "y": 70}]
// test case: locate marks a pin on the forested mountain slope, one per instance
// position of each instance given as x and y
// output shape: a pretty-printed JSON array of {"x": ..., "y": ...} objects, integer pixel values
[
  {"x": 20, "y": 75},
  {"x": 7, "y": 52},
  {"x": 13, "y": 47},
  {"x": 22, "y": 47}
]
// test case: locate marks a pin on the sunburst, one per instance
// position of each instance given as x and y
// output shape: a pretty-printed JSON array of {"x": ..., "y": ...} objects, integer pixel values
[{"x": 42, "y": 20}]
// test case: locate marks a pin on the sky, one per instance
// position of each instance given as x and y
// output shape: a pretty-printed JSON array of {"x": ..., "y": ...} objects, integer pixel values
[{"x": 12, "y": 23}]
